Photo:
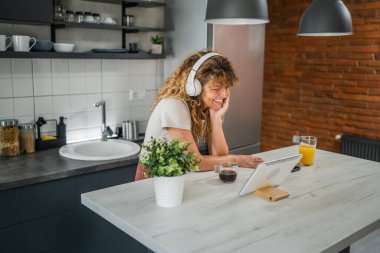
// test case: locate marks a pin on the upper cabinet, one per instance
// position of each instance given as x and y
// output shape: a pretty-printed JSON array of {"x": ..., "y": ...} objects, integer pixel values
[
  {"x": 41, "y": 12},
  {"x": 28, "y": 11}
]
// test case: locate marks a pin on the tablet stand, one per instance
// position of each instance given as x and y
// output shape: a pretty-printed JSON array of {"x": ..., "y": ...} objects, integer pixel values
[{"x": 272, "y": 194}]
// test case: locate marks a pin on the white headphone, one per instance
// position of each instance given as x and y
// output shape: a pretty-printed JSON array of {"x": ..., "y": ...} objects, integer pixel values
[{"x": 193, "y": 86}]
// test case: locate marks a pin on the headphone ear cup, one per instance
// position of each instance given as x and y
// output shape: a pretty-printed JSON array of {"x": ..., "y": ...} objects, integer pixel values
[{"x": 197, "y": 87}]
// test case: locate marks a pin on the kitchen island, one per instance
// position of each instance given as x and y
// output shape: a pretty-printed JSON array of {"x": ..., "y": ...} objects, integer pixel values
[{"x": 332, "y": 204}]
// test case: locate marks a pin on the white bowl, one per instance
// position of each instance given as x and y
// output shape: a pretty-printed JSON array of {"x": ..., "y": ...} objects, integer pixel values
[{"x": 63, "y": 47}]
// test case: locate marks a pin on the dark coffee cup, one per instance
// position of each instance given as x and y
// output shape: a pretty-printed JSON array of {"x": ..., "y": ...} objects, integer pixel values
[{"x": 227, "y": 171}]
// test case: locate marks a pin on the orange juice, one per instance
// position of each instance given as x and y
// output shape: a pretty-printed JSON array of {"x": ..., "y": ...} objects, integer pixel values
[{"x": 308, "y": 153}]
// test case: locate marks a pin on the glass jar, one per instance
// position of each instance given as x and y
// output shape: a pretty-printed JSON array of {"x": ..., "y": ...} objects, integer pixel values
[
  {"x": 79, "y": 17},
  {"x": 9, "y": 133},
  {"x": 27, "y": 138},
  {"x": 96, "y": 17},
  {"x": 70, "y": 16},
  {"x": 59, "y": 13},
  {"x": 128, "y": 20},
  {"x": 88, "y": 17}
]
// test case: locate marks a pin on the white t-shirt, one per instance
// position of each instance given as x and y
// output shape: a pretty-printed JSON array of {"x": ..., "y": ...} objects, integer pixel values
[{"x": 169, "y": 112}]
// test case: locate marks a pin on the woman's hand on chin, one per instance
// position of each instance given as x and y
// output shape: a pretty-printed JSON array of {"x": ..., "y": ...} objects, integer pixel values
[{"x": 218, "y": 114}]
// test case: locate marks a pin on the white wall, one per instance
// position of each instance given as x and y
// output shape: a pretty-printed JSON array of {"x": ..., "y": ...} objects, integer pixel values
[{"x": 187, "y": 31}]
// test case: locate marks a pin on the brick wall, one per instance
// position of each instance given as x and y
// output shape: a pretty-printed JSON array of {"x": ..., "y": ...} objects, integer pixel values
[{"x": 321, "y": 86}]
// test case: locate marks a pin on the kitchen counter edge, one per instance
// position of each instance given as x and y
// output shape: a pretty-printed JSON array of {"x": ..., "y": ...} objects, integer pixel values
[{"x": 48, "y": 165}]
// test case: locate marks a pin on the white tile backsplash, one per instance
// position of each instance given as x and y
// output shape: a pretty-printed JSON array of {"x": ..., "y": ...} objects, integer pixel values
[
  {"x": 77, "y": 85},
  {"x": 5, "y": 68},
  {"x": 93, "y": 84},
  {"x": 91, "y": 99},
  {"x": 6, "y": 108},
  {"x": 77, "y": 67},
  {"x": 110, "y": 99},
  {"x": 150, "y": 82},
  {"x": 109, "y": 67},
  {"x": 108, "y": 83},
  {"x": 122, "y": 99},
  {"x": 122, "y": 67},
  {"x": 22, "y": 67},
  {"x": 78, "y": 103},
  {"x": 23, "y": 87},
  {"x": 61, "y": 104},
  {"x": 93, "y": 67},
  {"x": 6, "y": 90},
  {"x": 94, "y": 119},
  {"x": 50, "y": 88},
  {"x": 41, "y": 67},
  {"x": 61, "y": 85},
  {"x": 122, "y": 83},
  {"x": 136, "y": 82},
  {"x": 24, "y": 107},
  {"x": 43, "y": 105},
  {"x": 60, "y": 67},
  {"x": 42, "y": 86}
]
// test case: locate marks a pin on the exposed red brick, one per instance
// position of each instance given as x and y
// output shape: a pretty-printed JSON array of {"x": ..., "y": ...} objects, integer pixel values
[{"x": 321, "y": 86}]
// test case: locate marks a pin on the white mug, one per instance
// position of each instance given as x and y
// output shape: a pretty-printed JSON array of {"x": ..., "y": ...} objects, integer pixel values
[
  {"x": 21, "y": 43},
  {"x": 3, "y": 42}
]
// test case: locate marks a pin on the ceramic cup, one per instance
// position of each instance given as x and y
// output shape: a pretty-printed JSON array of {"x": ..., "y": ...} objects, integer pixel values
[
  {"x": 21, "y": 43},
  {"x": 3, "y": 42},
  {"x": 227, "y": 171}
]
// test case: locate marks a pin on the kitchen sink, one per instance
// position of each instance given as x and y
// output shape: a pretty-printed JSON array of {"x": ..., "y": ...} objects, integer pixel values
[{"x": 99, "y": 150}]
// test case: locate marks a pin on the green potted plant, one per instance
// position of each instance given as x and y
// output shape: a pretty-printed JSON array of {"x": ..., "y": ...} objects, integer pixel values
[
  {"x": 157, "y": 44},
  {"x": 168, "y": 162}
]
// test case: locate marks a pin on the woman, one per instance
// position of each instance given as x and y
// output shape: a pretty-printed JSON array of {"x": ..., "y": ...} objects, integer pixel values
[{"x": 191, "y": 106}]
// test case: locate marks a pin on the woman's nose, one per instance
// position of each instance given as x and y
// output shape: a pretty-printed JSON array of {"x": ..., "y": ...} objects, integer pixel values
[{"x": 224, "y": 92}]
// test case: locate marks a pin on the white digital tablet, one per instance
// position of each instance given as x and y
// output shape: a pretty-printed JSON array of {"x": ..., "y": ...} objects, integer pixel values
[{"x": 272, "y": 173}]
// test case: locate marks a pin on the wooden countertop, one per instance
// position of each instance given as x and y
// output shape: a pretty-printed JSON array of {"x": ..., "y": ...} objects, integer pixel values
[{"x": 332, "y": 204}]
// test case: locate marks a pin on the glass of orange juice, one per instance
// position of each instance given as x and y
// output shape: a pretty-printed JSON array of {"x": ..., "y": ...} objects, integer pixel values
[{"x": 307, "y": 147}]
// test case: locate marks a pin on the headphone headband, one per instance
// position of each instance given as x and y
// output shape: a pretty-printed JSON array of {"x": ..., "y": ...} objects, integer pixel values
[{"x": 193, "y": 86}]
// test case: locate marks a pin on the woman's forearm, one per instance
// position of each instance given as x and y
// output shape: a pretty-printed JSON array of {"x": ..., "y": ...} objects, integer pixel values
[{"x": 217, "y": 141}]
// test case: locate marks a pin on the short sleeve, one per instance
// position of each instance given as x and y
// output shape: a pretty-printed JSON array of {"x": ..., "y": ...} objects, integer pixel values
[{"x": 174, "y": 113}]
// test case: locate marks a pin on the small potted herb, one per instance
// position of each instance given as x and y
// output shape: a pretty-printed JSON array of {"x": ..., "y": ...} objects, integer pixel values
[
  {"x": 168, "y": 162},
  {"x": 157, "y": 44}
]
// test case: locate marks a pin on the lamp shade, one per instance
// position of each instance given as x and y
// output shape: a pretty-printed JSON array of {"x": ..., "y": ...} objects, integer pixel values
[
  {"x": 237, "y": 12},
  {"x": 326, "y": 18}
]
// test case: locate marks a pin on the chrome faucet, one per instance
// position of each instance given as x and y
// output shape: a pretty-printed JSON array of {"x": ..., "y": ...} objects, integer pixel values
[{"x": 104, "y": 126}]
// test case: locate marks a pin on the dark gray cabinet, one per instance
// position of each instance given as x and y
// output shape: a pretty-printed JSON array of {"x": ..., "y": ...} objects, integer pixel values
[
  {"x": 28, "y": 11},
  {"x": 49, "y": 217}
]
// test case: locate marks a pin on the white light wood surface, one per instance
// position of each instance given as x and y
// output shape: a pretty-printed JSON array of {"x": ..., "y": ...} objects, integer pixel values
[{"x": 332, "y": 204}]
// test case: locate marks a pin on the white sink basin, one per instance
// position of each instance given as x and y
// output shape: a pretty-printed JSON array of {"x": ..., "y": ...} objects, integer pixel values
[{"x": 99, "y": 150}]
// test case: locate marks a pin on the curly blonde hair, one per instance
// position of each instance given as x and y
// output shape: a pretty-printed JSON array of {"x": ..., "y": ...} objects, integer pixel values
[{"x": 216, "y": 68}]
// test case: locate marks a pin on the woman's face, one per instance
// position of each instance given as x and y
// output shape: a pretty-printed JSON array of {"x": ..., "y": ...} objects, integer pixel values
[{"x": 213, "y": 94}]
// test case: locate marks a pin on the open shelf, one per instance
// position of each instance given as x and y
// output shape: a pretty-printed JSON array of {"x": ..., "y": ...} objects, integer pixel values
[
  {"x": 143, "y": 4},
  {"x": 127, "y": 29},
  {"x": 85, "y": 55}
]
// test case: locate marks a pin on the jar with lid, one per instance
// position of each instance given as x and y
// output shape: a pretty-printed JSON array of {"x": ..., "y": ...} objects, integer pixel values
[
  {"x": 26, "y": 139},
  {"x": 88, "y": 17},
  {"x": 9, "y": 134},
  {"x": 70, "y": 16},
  {"x": 96, "y": 17},
  {"x": 59, "y": 13},
  {"x": 78, "y": 16}
]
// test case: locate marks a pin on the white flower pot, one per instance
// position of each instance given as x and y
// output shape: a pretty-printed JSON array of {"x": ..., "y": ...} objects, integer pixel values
[
  {"x": 169, "y": 190},
  {"x": 157, "y": 49}
]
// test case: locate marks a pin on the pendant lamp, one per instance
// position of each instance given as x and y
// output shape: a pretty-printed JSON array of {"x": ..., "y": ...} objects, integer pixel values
[
  {"x": 237, "y": 12},
  {"x": 326, "y": 18}
]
